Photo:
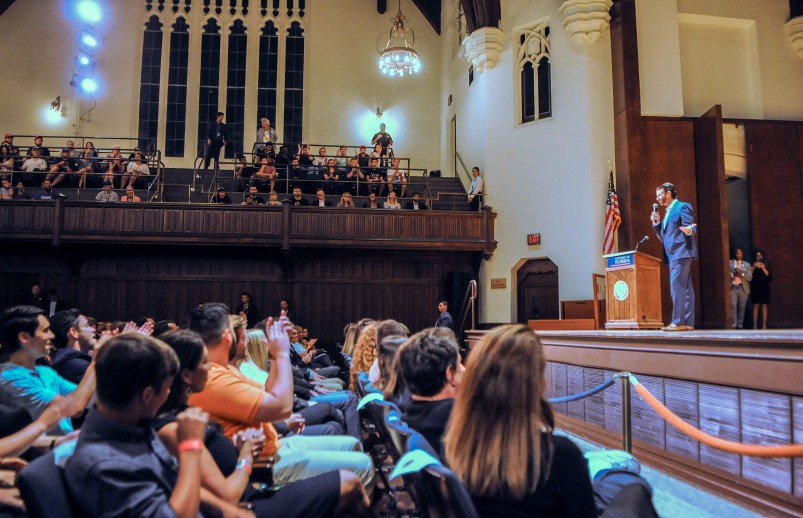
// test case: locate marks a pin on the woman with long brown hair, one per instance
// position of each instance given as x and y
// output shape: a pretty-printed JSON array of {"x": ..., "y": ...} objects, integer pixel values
[{"x": 499, "y": 440}]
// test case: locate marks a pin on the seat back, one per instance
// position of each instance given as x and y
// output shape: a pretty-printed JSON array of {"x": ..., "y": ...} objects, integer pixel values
[
  {"x": 445, "y": 494},
  {"x": 44, "y": 491}
]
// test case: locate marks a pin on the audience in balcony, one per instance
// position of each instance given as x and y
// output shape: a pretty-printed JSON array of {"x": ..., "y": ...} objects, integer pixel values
[
  {"x": 242, "y": 174},
  {"x": 320, "y": 199},
  {"x": 372, "y": 202},
  {"x": 297, "y": 199},
  {"x": 63, "y": 168},
  {"x": 273, "y": 198},
  {"x": 253, "y": 197},
  {"x": 346, "y": 201},
  {"x": 331, "y": 178},
  {"x": 130, "y": 196},
  {"x": 221, "y": 196},
  {"x": 6, "y": 191},
  {"x": 135, "y": 171},
  {"x": 112, "y": 165},
  {"x": 397, "y": 178},
  {"x": 87, "y": 164},
  {"x": 38, "y": 144},
  {"x": 266, "y": 134},
  {"x": 383, "y": 140},
  {"x": 32, "y": 165},
  {"x": 392, "y": 202},
  {"x": 46, "y": 193},
  {"x": 362, "y": 157},
  {"x": 342, "y": 158},
  {"x": 107, "y": 195},
  {"x": 375, "y": 177},
  {"x": 416, "y": 203},
  {"x": 19, "y": 192},
  {"x": 265, "y": 178}
]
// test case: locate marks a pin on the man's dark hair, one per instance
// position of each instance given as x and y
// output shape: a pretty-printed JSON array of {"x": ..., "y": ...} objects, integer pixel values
[
  {"x": 246, "y": 294},
  {"x": 218, "y": 114},
  {"x": 388, "y": 328},
  {"x": 52, "y": 291},
  {"x": 424, "y": 358},
  {"x": 189, "y": 347},
  {"x": 445, "y": 303},
  {"x": 210, "y": 321},
  {"x": 61, "y": 323},
  {"x": 161, "y": 327},
  {"x": 14, "y": 321},
  {"x": 128, "y": 364},
  {"x": 670, "y": 188}
]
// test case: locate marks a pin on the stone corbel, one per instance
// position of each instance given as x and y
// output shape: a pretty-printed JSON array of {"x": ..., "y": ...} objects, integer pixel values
[
  {"x": 585, "y": 20},
  {"x": 483, "y": 47},
  {"x": 794, "y": 32}
]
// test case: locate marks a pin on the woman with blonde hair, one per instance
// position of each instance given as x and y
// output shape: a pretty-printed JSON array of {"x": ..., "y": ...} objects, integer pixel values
[
  {"x": 365, "y": 352},
  {"x": 499, "y": 440}
]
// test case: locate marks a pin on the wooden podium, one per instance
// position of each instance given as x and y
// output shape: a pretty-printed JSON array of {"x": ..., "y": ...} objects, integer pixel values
[{"x": 633, "y": 291}]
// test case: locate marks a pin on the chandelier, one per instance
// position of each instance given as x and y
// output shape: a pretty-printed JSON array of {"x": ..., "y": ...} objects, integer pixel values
[{"x": 398, "y": 57}]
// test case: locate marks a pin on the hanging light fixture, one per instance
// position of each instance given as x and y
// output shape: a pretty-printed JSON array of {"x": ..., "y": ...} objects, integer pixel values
[{"x": 398, "y": 58}]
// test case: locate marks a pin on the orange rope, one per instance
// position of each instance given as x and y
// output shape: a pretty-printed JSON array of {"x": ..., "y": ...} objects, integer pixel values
[{"x": 789, "y": 450}]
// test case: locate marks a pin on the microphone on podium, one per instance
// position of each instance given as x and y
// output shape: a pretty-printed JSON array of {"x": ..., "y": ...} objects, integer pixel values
[{"x": 643, "y": 239}]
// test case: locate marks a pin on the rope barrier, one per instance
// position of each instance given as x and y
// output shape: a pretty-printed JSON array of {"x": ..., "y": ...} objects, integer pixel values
[
  {"x": 788, "y": 450},
  {"x": 580, "y": 395}
]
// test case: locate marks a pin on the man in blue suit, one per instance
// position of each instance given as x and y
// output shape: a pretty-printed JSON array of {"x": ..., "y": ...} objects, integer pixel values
[{"x": 676, "y": 231}]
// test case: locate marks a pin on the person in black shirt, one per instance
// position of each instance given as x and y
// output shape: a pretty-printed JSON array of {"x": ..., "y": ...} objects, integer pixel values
[
  {"x": 297, "y": 199},
  {"x": 429, "y": 363},
  {"x": 73, "y": 339},
  {"x": 221, "y": 197},
  {"x": 253, "y": 197},
  {"x": 216, "y": 138},
  {"x": 382, "y": 138}
]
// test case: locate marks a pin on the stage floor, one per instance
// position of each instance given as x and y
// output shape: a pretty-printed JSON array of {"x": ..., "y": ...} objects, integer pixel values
[{"x": 791, "y": 336}]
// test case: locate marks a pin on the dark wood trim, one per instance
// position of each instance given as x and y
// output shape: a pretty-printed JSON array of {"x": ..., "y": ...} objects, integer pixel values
[{"x": 754, "y": 496}]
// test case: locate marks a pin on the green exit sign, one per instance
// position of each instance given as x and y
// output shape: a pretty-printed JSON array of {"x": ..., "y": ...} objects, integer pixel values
[{"x": 533, "y": 239}]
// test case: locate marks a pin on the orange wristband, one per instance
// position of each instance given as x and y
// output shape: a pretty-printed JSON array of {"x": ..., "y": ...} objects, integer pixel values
[{"x": 190, "y": 445}]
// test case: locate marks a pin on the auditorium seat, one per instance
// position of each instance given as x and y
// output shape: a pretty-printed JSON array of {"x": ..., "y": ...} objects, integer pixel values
[{"x": 44, "y": 491}]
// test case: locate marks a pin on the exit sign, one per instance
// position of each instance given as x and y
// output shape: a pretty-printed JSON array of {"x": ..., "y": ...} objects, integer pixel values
[{"x": 533, "y": 239}]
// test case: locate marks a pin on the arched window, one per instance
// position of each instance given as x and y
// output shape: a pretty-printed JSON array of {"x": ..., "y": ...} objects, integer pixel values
[
  {"x": 268, "y": 64},
  {"x": 210, "y": 80},
  {"x": 294, "y": 85},
  {"x": 235, "y": 88},
  {"x": 177, "y": 89},
  {"x": 149, "y": 83},
  {"x": 533, "y": 84}
]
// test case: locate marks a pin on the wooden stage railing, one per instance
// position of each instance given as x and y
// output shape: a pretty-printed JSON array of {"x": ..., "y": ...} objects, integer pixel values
[
  {"x": 741, "y": 386},
  {"x": 60, "y": 221}
]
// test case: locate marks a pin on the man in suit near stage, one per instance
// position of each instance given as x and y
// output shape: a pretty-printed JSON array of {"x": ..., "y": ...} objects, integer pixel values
[
  {"x": 676, "y": 232},
  {"x": 216, "y": 138},
  {"x": 444, "y": 319}
]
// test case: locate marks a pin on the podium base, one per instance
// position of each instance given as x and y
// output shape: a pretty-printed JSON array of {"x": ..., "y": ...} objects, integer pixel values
[{"x": 632, "y": 324}]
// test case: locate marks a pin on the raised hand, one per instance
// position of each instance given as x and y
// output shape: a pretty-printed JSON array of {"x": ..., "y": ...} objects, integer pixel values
[
  {"x": 191, "y": 425},
  {"x": 278, "y": 341}
]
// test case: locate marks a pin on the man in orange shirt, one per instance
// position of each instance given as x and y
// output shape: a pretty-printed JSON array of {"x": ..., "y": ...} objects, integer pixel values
[{"x": 238, "y": 403}]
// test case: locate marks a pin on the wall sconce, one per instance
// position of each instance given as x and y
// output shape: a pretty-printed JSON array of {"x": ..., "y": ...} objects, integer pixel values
[
  {"x": 56, "y": 104},
  {"x": 378, "y": 113}
]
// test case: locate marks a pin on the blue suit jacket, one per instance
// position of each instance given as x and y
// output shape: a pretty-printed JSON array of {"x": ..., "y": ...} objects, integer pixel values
[{"x": 678, "y": 245}]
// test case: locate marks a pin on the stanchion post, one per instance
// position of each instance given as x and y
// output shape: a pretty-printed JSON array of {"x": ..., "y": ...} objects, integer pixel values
[{"x": 627, "y": 438}]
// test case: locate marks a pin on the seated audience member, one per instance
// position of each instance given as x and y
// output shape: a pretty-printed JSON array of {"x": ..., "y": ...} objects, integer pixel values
[
  {"x": 87, "y": 165},
  {"x": 385, "y": 329},
  {"x": 416, "y": 203},
  {"x": 243, "y": 173},
  {"x": 7, "y": 159},
  {"x": 273, "y": 199},
  {"x": 290, "y": 313},
  {"x": 253, "y": 197},
  {"x": 46, "y": 193},
  {"x": 392, "y": 202},
  {"x": 130, "y": 196},
  {"x": 62, "y": 168},
  {"x": 372, "y": 202},
  {"x": 320, "y": 199},
  {"x": 135, "y": 171},
  {"x": 532, "y": 472},
  {"x": 342, "y": 158},
  {"x": 31, "y": 165},
  {"x": 19, "y": 192},
  {"x": 365, "y": 352},
  {"x": 297, "y": 199},
  {"x": 163, "y": 326},
  {"x": 53, "y": 304},
  {"x": 397, "y": 178},
  {"x": 74, "y": 340},
  {"x": 430, "y": 364},
  {"x": 6, "y": 191},
  {"x": 353, "y": 177},
  {"x": 295, "y": 175},
  {"x": 265, "y": 178},
  {"x": 266, "y": 137},
  {"x": 25, "y": 336},
  {"x": 321, "y": 161},
  {"x": 38, "y": 144},
  {"x": 331, "y": 178},
  {"x": 346, "y": 201},
  {"x": 107, "y": 195},
  {"x": 226, "y": 466},
  {"x": 112, "y": 165},
  {"x": 221, "y": 197},
  {"x": 247, "y": 309},
  {"x": 239, "y": 403},
  {"x": 120, "y": 467},
  {"x": 375, "y": 177},
  {"x": 362, "y": 157},
  {"x": 310, "y": 357},
  {"x": 391, "y": 382}
]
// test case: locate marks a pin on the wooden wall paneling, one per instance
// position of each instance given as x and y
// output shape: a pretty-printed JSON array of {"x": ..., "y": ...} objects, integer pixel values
[
  {"x": 712, "y": 217},
  {"x": 560, "y": 382},
  {"x": 775, "y": 177},
  {"x": 613, "y": 405},
  {"x": 647, "y": 425},
  {"x": 681, "y": 397},
  {"x": 797, "y": 437},
  {"x": 594, "y": 405},
  {"x": 574, "y": 377},
  {"x": 720, "y": 416},
  {"x": 627, "y": 116},
  {"x": 668, "y": 157},
  {"x": 766, "y": 419}
]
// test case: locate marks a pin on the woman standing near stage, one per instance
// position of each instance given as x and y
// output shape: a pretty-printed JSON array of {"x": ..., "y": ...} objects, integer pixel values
[{"x": 760, "y": 289}]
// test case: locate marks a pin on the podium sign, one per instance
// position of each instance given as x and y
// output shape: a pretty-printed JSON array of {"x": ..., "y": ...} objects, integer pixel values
[{"x": 633, "y": 291}]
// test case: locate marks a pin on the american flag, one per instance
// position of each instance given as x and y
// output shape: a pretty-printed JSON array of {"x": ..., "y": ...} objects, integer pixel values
[{"x": 613, "y": 217}]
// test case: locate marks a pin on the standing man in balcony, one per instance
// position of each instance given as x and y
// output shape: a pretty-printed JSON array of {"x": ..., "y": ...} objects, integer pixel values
[
  {"x": 475, "y": 191},
  {"x": 384, "y": 139},
  {"x": 216, "y": 138},
  {"x": 676, "y": 232}
]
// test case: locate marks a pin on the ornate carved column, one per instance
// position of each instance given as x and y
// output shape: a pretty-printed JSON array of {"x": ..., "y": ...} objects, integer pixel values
[
  {"x": 585, "y": 20},
  {"x": 483, "y": 47}
]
